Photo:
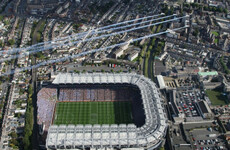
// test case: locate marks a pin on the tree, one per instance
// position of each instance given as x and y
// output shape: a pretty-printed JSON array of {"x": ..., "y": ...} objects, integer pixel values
[
  {"x": 13, "y": 134},
  {"x": 30, "y": 90},
  {"x": 158, "y": 28},
  {"x": 1, "y": 43},
  {"x": 1, "y": 17},
  {"x": 11, "y": 42},
  {"x": 220, "y": 9},
  {"x": 150, "y": 47},
  {"x": 39, "y": 55},
  {"x": 21, "y": 92},
  {"x": 76, "y": 71},
  {"x": 26, "y": 142},
  {"x": 38, "y": 37},
  {"x": 76, "y": 26},
  {"x": 102, "y": 70},
  {"x": 140, "y": 60},
  {"x": 14, "y": 142}
]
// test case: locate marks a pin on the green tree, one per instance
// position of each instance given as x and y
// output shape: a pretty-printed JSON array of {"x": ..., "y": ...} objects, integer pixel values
[
  {"x": 1, "y": 43},
  {"x": 40, "y": 55},
  {"x": 11, "y": 42},
  {"x": 1, "y": 17},
  {"x": 13, "y": 134},
  {"x": 30, "y": 90},
  {"x": 76, "y": 71},
  {"x": 14, "y": 142},
  {"x": 38, "y": 37}
]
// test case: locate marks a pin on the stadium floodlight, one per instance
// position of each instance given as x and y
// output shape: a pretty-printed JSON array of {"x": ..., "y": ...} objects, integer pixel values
[
  {"x": 74, "y": 36},
  {"x": 90, "y": 39},
  {"x": 85, "y": 53}
]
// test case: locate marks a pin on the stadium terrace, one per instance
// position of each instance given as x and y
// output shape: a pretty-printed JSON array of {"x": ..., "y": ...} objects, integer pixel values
[{"x": 120, "y": 135}]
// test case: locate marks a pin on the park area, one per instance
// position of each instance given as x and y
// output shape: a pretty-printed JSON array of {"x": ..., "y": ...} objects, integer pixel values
[
  {"x": 93, "y": 113},
  {"x": 216, "y": 97}
]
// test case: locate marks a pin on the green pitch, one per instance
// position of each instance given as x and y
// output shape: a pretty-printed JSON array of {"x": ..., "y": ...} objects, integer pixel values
[{"x": 93, "y": 113}]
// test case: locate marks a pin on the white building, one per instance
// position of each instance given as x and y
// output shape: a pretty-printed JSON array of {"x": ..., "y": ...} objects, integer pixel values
[
  {"x": 161, "y": 81},
  {"x": 171, "y": 34},
  {"x": 189, "y": 1},
  {"x": 118, "y": 53},
  {"x": 132, "y": 56}
]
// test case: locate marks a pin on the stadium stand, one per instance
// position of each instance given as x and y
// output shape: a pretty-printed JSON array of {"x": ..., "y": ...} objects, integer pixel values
[
  {"x": 149, "y": 134},
  {"x": 46, "y": 102},
  {"x": 92, "y": 92}
]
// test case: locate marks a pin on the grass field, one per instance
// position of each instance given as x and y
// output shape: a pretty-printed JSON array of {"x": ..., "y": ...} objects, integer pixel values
[
  {"x": 93, "y": 113},
  {"x": 215, "y": 33},
  {"x": 216, "y": 97}
]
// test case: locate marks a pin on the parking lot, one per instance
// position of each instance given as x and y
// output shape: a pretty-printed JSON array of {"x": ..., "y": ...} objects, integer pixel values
[
  {"x": 207, "y": 139},
  {"x": 186, "y": 102}
]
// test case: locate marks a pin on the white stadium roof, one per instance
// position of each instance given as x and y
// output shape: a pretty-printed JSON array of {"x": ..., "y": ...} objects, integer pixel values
[{"x": 112, "y": 136}]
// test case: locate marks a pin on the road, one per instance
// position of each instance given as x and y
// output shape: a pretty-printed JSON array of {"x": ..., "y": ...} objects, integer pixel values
[{"x": 35, "y": 136}]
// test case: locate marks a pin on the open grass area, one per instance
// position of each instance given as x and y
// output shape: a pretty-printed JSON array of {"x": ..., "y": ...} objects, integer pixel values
[
  {"x": 216, "y": 97},
  {"x": 215, "y": 33},
  {"x": 93, "y": 113}
]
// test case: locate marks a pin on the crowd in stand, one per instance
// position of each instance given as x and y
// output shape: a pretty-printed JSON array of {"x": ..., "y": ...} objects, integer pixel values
[
  {"x": 46, "y": 100},
  {"x": 95, "y": 94}
]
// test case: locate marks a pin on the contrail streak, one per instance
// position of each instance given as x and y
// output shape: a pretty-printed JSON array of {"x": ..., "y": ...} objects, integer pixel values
[
  {"x": 15, "y": 50},
  {"x": 89, "y": 39},
  {"x": 87, "y": 52}
]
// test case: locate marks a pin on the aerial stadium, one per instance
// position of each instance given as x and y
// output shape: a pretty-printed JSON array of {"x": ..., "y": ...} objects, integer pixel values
[{"x": 99, "y": 110}]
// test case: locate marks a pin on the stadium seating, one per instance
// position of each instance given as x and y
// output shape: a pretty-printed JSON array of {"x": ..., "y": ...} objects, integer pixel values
[
  {"x": 147, "y": 134},
  {"x": 46, "y": 102},
  {"x": 95, "y": 93}
]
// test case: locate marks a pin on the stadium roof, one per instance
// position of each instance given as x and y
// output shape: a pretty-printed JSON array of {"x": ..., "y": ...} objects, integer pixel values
[{"x": 116, "y": 136}]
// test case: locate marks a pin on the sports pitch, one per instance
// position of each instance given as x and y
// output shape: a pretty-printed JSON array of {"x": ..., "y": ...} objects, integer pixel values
[{"x": 93, "y": 113}]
